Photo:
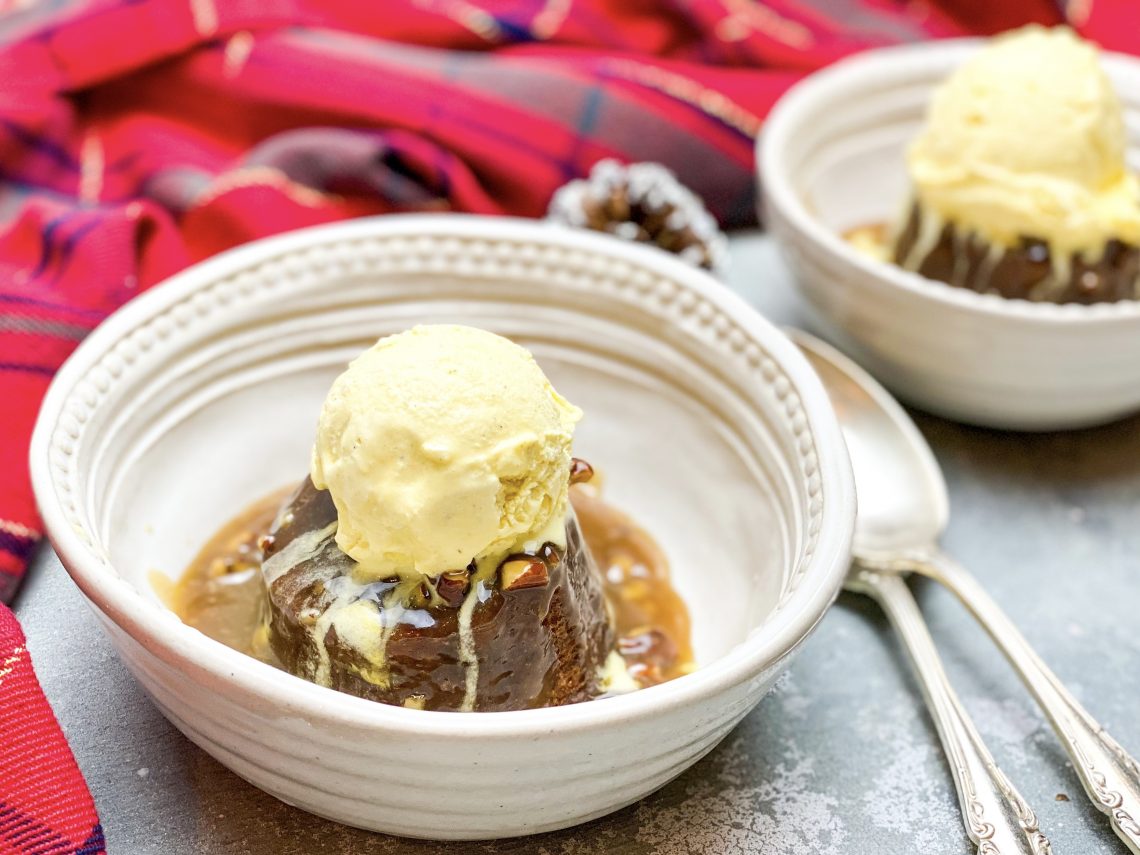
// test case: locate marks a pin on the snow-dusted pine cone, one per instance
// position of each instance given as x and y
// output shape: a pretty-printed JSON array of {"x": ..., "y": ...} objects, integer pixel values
[{"x": 643, "y": 202}]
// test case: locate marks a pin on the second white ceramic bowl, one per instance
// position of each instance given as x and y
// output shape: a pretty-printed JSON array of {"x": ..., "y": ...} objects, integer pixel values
[
  {"x": 202, "y": 395},
  {"x": 831, "y": 158}
]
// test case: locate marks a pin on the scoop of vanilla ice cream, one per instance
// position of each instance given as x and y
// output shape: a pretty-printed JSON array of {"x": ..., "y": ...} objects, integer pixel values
[
  {"x": 1027, "y": 139},
  {"x": 441, "y": 445}
]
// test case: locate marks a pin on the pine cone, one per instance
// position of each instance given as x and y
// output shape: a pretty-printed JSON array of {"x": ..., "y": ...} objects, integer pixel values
[{"x": 643, "y": 202}]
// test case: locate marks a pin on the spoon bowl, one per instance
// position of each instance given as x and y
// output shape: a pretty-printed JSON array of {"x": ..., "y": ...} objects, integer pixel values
[{"x": 903, "y": 503}]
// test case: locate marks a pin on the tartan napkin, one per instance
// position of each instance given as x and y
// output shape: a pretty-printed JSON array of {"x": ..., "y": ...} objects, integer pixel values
[{"x": 45, "y": 808}]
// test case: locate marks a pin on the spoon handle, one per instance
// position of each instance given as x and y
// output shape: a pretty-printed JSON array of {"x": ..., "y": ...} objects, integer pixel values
[
  {"x": 997, "y": 819},
  {"x": 1110, "y": 777}
]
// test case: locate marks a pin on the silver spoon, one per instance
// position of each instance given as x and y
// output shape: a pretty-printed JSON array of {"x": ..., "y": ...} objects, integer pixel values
[
  {"x": 903, "y": 510},
  {"x": 997, "y": 819}
]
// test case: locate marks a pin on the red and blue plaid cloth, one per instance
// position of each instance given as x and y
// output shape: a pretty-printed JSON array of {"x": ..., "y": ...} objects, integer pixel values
[
  {"x": 44, "y": 804},
  {"x": 138, "y": 136}
]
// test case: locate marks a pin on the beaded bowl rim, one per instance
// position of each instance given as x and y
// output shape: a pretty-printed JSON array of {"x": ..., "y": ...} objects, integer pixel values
[
  {"x": 878, "y": 68},
  {"x": 185, "y": 300}
]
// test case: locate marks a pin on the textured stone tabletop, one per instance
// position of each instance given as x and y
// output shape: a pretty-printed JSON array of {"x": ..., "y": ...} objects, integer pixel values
[{"x": 840, "y": 757}]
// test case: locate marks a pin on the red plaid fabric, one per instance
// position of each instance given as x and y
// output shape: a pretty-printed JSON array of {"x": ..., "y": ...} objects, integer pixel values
[
  {"x": 138, "y": 136},
  {"x": 45, "y": 808}
]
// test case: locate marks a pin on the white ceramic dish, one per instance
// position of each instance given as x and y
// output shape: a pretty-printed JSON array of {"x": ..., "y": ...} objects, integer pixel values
[
  {"x": 202, "y": 395},
  {"x": 831, "y": 158}
]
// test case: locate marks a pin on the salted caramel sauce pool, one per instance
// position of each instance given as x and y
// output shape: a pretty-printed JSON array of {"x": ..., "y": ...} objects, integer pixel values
[
  {"x": 872, "y": 239},
  {"x": 222, "y": 594}
]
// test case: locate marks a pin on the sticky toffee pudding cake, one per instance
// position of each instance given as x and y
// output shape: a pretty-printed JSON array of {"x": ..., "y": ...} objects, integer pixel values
[
  {"x": 534, "y": 634},
  {"x": 433, "y": 558}
]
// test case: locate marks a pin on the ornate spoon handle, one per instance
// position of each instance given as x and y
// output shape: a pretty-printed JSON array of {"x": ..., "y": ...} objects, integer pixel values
[
  {"x": 997, "y": 819},
  {"x": 1109, "y": 775}
]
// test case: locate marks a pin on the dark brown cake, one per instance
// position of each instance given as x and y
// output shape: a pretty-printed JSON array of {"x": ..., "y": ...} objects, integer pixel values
[
  {"x": 540, "y": 628},
  {"x": 1025, "y": 272}
]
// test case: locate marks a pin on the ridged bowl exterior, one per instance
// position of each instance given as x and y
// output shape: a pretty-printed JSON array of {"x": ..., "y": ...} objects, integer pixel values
[
  {"x": 831, "y": 158},
  {"x": 147, "y": 389}
]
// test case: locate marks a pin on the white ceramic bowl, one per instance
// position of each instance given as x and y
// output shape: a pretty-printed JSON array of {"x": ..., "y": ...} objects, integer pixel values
[
  {"x": 831, "y": 158},
  {"x": 202, "y": 395}
]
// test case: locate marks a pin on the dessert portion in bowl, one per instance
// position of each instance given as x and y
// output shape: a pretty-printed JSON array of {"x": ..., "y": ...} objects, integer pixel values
[
  {"x": 1019, "y": 185},
  {"x": 443, "y": 552}
]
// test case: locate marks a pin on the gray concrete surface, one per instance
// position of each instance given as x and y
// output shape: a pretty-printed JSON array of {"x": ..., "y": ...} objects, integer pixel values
[{"x": 840, "y": 758}]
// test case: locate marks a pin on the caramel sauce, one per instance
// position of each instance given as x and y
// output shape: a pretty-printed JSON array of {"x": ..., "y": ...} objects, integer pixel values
[
  {"x": 872, "y": 240},
  {"x": 650, "y": 618},
  {"x": 222, "y": 594},
  {"x": 872, "y": 231}
]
